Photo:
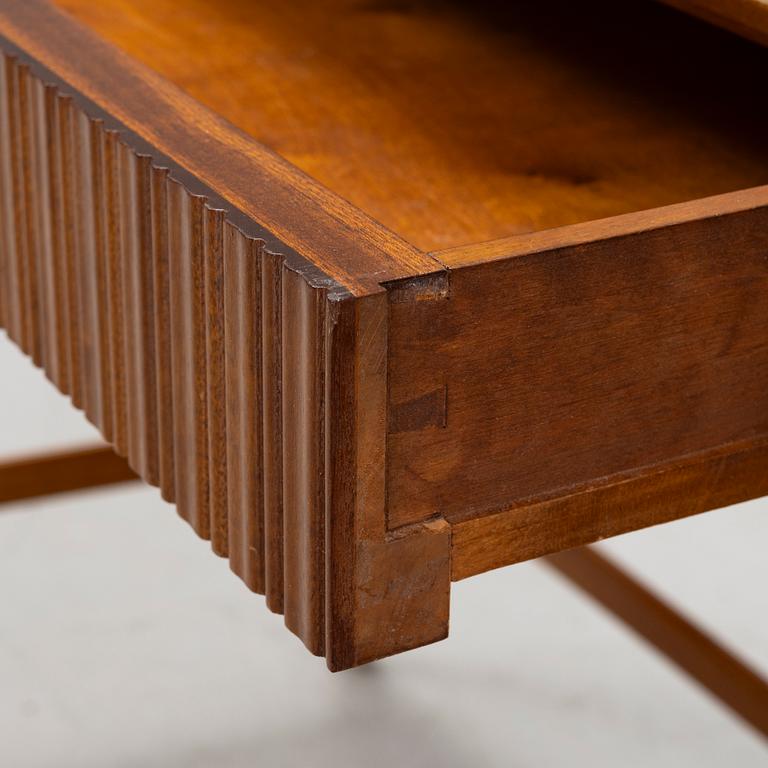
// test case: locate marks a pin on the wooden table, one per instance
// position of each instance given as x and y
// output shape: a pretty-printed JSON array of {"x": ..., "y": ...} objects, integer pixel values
[{"x": 387, "y": 297}]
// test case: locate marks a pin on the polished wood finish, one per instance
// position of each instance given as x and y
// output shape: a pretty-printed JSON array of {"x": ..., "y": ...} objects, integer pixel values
[
  {"x": 178, "y": 333},
  {"x": 686, "y": 487},
  {"x": 376, "y": 577},
  {"x": 567, "y": 365},
  {"x": 694, "y": 651},
  {"x": 66, "y": 470},
  {"x": 153, "y": 276},
  {"x": 481, "y": 120},
  {"x": 263, "y": 193},
  {"x": 351, "y": 420}
]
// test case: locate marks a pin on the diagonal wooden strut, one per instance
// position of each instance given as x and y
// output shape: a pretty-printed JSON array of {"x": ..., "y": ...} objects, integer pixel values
[
  {"x": 63, "y": 471},
  {"x": 728, "y": 678}
]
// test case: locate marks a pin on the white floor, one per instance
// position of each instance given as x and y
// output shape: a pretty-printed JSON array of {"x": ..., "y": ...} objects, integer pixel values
[{"x": 125, "y": 642}]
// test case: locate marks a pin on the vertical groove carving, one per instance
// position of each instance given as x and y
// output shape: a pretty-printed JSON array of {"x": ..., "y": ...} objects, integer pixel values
[
  {"x": 85, "y": 261},
  {"x": 17, "y": 245},
  {"x": 195, "y": 350},
  {"x": 138, "y": 309},
  {"x": 26, "y": 223},
  {"x": 303, "y": 458},
  {"x": 113, "y": 271},
  {"x": 272, "y": 428},
  {"x": 36, "y": 182},
  {"x": 54, "y": 297},
  {"x": 244, "y": 411},
  {"x": 67, "y": 198},
  {"x": 187, "y": 301},
  {"x": 216, "y": 387},
  {"x": 100, "y": 292},
  {"x": 8, "y": 315},
  {"x": 165, "y": 445}
]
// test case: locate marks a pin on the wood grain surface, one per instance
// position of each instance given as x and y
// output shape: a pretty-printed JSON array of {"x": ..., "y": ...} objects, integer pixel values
[
  {"x": 263, "y": 193},
  {"x": 385, "y": 591},
  {"x": 226, "y": 373},
  {"x": 711, "y": 480},
  {"x": 121, "y": 283},
  {"x": 350, "y": 420},
  {"x": 453, "y": 122},
  {"x": 619, "y": 351}
]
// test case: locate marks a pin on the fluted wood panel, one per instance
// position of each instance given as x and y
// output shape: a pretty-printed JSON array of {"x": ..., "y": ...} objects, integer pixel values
[
  {"x": 303, "y": 459},
  {"x": 272, "y": 429},
  {"x": 191, "y": 346},
  {"x": 243, "y": 373}
]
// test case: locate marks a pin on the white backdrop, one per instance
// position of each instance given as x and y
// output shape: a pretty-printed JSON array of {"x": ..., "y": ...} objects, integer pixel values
[{"x": 125, "y": 642}]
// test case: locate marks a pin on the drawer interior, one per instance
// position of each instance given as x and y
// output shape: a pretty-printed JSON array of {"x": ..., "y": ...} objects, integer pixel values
[{"x": 457, "y": 122}]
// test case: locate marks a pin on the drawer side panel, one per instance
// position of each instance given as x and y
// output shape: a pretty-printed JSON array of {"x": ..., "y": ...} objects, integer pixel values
[{"x": 565, "y": 368}]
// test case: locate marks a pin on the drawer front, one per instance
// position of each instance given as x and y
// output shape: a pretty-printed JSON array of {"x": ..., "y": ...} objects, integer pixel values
[
  {"x": 229, "y": 368},
  {"x": 122, "y": 283}
]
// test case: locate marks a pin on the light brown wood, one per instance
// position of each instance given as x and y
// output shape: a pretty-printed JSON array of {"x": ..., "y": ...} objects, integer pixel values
[
  {"x": 712, "y": 666},
  {"x": 67, "y": 470},
  {"x": 453, "y": 123},
  {"x": 615, "y": 228},
  {"x": 262, "y": 192}
]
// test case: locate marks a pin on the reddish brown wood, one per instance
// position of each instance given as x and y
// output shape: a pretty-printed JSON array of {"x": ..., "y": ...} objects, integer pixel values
[
  {"x": 712, "y": 666},
  {"x": 186, "y": 243},
  {"x": 216, "y": 402},
  {"x": 303, "y": 365},
  {"x": 570, "y": 363},
  {"x": 375, "y": 578},
  {"x": 243, "y": 266},
  {"x": 162, "y": 333},
  {"x": 184, "y": 338},
  {"x": 272, "y": 428},
  {"x": 711, "y": 480},
  {"x": 340, "y": 239},
  {"x": 352, "y": 421},
  {"x": 67, "y": 470}
]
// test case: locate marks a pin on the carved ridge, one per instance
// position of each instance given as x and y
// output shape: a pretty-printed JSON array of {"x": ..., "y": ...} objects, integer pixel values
[
  {"x": 165, "y": 322},
  {"x": 239, "y": 379}
]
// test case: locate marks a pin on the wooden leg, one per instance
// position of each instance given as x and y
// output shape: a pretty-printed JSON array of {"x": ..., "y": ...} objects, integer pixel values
[
  {"x": 59, "y": 472},
  {"x": 728, "y": 678}
]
